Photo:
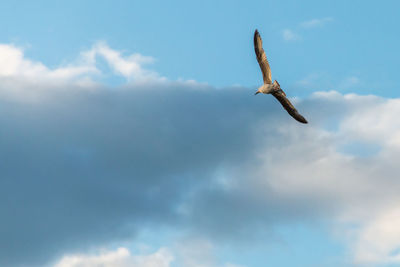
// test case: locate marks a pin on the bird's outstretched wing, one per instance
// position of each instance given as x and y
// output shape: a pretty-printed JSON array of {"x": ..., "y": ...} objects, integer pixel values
[
  {"x": 281, "y": 96},
  {"x": 262, "y": 58}
]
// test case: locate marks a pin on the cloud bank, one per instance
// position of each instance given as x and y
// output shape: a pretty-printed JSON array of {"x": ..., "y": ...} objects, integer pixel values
[{"x": 83, "y": 164}]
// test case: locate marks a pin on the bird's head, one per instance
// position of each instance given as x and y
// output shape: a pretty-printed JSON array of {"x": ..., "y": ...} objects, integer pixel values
[{"x": 260, "y": 89}]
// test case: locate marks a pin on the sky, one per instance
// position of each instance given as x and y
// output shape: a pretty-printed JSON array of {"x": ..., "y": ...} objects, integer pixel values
[{"x": 131, "y": 135}]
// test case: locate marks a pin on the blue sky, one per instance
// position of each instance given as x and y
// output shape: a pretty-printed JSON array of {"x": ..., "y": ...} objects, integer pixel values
[
  {"x": 214, "y": 38},
  {"x": 131, "y": 136}
]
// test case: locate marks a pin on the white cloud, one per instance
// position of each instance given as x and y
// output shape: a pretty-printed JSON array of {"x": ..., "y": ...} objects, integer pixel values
[
  {"x": 195, "y": 253},
  {"x": 293, "y": 35},
  {"x": 379, "y": 239},
  {"x": 316, "y": 22},
  {"x": 315, "y": 81},
  {"x": 289, "y": 35},
  {"x": 374, "y": 122},
  {"x": 358, "y": 191},
  {"x": 349, "y": 82},
  {"x": 130, "y": 67},
  {"x": 198, "y": 253},
  {"x": 323, "y": 80},
  {"x": 121, "y": 257},
  {"x": 13, "y": 64}
]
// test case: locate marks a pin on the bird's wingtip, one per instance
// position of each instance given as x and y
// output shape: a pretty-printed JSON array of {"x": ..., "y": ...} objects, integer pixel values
[
  {"x": 303, "y": 120},
  {"x": 299, "y": 117}
]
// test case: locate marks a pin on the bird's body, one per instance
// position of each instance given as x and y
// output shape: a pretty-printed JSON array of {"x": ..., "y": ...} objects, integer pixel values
[{"x": 270, "y": 87}]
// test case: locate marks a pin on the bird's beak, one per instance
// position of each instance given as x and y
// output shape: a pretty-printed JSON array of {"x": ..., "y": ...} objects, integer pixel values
[{"x": 257, "y": 92}]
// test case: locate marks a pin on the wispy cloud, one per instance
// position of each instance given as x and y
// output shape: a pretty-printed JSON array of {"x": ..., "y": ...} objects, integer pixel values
[
  {"x": 293, "y": 35},
  {"x": 316, "y": 22},
  {"x": 289, "y": 35},
  {"x": 324, "y": 81},
  {"x": 349, "y": 82}
]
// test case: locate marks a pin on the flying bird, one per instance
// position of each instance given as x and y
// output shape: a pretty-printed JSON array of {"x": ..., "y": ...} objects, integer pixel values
[{"x": 270, "y": 87}]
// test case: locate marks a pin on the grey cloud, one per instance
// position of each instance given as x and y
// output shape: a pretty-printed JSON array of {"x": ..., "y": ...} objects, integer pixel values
[{"x": 80, "y": 167}]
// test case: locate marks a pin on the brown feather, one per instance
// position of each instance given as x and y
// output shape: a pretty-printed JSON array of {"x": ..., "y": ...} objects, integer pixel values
[
  {"x": 281, "y": 96},
  {"x": 262, "y": 58}
]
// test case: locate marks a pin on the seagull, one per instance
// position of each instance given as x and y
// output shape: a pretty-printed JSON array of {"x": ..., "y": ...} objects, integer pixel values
[{"x": 270, "y": 87}]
